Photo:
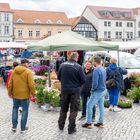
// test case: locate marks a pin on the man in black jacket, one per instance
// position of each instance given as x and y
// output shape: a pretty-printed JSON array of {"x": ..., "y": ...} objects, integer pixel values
[{"x": 72, "y": 77}]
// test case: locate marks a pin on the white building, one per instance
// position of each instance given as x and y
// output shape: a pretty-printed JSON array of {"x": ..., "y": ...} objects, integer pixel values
[
  {"x": 6, "y": 23},
  {"x": 114, "y": 23}
]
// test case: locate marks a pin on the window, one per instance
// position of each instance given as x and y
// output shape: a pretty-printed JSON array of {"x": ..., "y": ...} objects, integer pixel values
[
  {"x": 37, "y": 33},
  {"x": 6, "y": 30},
  {"x": 0, "y": 30},
  {"x": 139, "y": 24},
  {"x": 138, "y": 33},
  {"x": 118, "y": 35},
  {"x": 59, "y": 22},
  {"x": 104, "y": 13},
  {"x": 118, "y": 24},
  {"x": 49, "y": 21},
  {"x": 59, "y": 32},
  {"x": 19, "y": 33},
  {"x": 107, "y": 34},
  {"x": 6, "y": 17},
  {"x": 127, "y": 24},
  {"x": 109, "y": 23},
  {"x": 19, "y": 20},
  {"x": 37, "y": 21},
  {"x": 105, "y": 23},
  {"x": 49, "y": 33},
  {"x": 30, "y": 33}
]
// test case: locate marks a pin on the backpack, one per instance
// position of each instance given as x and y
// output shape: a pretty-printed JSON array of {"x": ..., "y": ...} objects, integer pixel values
[{"x": 111, "y": 82}]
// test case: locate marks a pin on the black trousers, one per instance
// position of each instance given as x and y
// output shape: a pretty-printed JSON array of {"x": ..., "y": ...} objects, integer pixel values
[{"x": 72, "y": 101}]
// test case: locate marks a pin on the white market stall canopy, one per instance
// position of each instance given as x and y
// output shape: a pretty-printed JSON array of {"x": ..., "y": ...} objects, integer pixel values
[
  {"x": 125, "y": 45},
  {"x": 70, "y": 40},
  {"x": 14, "y": 45}
]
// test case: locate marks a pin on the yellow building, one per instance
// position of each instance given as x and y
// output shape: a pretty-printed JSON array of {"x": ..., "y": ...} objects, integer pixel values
[{"x": 32, "y": 26}]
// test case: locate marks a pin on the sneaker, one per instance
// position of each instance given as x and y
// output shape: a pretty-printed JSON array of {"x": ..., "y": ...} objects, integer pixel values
[
  {"x": 23, "y": 130},
  {"x": 116, "y": 109},
  {"x": 86, "y": 125},
  {"x": 14, "y": 129},
  {"x": 110, "y": 108},
  {"x": 100, "y": 125},
  {"x": 72, "y": 131},
  {"x": 82, "y": 117}
]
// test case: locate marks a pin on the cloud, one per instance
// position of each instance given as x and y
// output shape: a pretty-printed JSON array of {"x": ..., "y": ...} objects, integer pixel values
[{"x": 70, "y": 7}]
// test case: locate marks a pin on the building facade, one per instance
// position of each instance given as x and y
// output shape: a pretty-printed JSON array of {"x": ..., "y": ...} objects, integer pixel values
[
  {"x": 6, "y": 23},
  {"x": 30, "y": 26},
  {"x": 114, "y": 23}
]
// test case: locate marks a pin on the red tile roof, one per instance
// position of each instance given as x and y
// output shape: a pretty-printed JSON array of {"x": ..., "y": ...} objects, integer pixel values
[
  {"x": 95, "y": 10},
  {"x": 29, "y": 16},
  {"x": 4, "y": 7}
]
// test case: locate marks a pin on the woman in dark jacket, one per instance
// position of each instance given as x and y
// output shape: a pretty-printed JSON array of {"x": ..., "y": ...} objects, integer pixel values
[
  {"x": 115, "y": 73},
  {"x": 86, "y": 88}
]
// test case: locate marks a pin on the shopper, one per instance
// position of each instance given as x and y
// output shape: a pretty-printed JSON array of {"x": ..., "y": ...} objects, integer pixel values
[
  {"x": 72, "y": 77},
  {"x": 115, "y": 74},
  {"x": 86, "y": 88},
  {"x": 97, "y": 94},
  {"x": 20, "y": 87}
]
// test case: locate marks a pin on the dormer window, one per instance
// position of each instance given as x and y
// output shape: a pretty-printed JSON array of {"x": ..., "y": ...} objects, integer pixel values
[
  {"x": 20, "y": 20},
  {"x": 104, "y": 13},
  {"x": 37, "y": 21},
  {"x": 59, "y": 22},
  {"x": 116, "y": 14},
  {"x": 126, "y": 14},
  {"x": 49, "y": 21}
]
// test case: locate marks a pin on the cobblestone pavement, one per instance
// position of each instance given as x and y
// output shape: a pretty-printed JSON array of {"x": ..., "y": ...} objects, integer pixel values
[{"x": 124, "y": 125}]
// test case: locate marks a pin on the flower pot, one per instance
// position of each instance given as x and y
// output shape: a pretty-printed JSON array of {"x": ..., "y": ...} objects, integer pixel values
[
  {"x": 57, "y": 109},
  {"x": 46, "y": 107}
]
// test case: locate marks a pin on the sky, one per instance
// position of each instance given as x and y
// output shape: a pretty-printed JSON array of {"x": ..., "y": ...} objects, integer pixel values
[{"x": 71, "y": 7}]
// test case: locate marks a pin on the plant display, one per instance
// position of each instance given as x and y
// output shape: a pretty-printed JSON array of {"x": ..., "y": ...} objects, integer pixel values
[
  {"x": 40, "y": 70},
  {"x": 55, "y": 98},
  {"x": 134, "y": 94},
  {"x": 40, "y": 81},
  {"x": 40, "y": 94},
  {"x": 123, "y": 103},
  {"x": 47, "y": 96},
  {"x": 137, "y": 81}
]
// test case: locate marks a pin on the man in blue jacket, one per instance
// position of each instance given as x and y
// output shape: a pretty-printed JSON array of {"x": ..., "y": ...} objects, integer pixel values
[
  {"x": 97, "y": 94},
  {"x": 72, "y": 77}
]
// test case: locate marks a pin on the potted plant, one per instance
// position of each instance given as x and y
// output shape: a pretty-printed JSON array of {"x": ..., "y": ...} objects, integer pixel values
[
  {"x": 40, "y": 95},
  {"x": 134, "y": 94},
  {"x": 40, "y": 81},
  {"x": 125, "y": 103}
]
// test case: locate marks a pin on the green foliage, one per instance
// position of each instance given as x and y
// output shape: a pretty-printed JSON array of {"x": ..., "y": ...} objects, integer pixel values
[
  {"x": 134, "y": 94},
  {"x": 40, "y": 94},
  {"x": 55, "y": 101},
  {"x": 40, "y": 81},
  {"x": 123, "y": 103},
  {"x": 47, "y": 96}
]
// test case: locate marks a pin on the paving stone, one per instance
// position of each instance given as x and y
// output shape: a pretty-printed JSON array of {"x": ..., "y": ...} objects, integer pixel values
[{"x": 124, "y": 125}]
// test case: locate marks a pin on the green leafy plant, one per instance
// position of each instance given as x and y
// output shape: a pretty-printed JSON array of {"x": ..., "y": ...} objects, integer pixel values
[
  {"x": 55, "y": 101},
  {"x": 40, "y": 94},
  {"x": 40, "y": 81},
  {"x": 134, "y": 94},
  {"x": 123, "y": 103}
]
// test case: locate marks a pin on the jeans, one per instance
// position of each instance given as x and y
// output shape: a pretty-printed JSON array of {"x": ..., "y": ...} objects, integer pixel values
[
  {"x": 114, "y": 94},
  {"x": 71, "y": 100},
  {"x": 24, "y": 103},
  {"x": 84, "y": 97},
  {"x": 95, "y": 97}
]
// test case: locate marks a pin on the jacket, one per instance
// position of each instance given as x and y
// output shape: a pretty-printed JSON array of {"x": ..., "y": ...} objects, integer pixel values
[
  {"x": 71, "y": 76},
  {"x": 21, "y": 83},
  {"x": 86, "y": 88},
  {"x": 118, "y": 76}
]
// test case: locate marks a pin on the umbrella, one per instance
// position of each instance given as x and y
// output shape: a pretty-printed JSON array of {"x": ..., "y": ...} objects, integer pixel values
[
  {"x": 7, "y": 45},
  {"x": 70, "y": 40}
]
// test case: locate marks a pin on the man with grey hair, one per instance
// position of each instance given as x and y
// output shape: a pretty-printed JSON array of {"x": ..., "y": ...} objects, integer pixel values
[{"x": 72, "y": 77}]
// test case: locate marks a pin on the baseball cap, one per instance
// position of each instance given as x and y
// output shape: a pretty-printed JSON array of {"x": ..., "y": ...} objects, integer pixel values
[{"x": 23, "y": 61}]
